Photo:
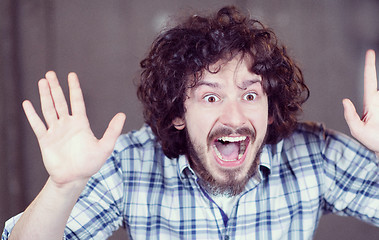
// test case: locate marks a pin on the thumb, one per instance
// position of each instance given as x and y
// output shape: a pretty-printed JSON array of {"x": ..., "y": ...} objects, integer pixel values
[
  {"x": 113, "y": 131},
  {"x": 352, "y": 118}
]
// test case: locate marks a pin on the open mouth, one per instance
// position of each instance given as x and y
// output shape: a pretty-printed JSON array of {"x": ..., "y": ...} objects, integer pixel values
[{"x": 230, "y": 149}]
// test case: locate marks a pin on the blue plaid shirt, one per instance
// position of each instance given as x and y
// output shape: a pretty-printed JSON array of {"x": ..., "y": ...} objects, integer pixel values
[{"x": 312, "y": 172}]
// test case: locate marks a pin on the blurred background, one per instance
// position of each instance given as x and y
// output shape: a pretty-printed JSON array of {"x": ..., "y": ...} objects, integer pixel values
[{"x": 104, "y": 41}]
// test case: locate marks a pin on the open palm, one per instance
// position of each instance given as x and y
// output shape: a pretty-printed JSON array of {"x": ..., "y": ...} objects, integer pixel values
[
  {"x": 70, "y": 151},
  {"x": 366, "y": 129}
]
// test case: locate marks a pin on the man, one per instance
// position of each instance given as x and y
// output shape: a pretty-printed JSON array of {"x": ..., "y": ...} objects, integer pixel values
[{"x": 222, "y": 155}]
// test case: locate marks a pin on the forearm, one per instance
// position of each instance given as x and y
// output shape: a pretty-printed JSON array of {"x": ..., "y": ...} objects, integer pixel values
[
  {"x": 71, "y": 154},
  {"x": 47, "y": 215}
]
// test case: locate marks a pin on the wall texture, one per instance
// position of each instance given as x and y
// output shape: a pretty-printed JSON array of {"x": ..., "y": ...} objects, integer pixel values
[{"x": 103, "y": 41}]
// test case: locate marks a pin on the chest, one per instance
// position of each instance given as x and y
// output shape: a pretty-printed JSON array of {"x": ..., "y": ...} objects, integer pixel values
[{"x": 284, "y": 206}]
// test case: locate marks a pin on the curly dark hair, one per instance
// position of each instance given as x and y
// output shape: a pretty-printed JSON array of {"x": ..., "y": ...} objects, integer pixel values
[{"x": 180, "y": 55}]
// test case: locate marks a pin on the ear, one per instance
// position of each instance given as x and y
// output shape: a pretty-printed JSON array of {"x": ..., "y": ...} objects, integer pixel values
[
  {"x": 270, "y": 120},
  {"x": 179, "y": 123}
]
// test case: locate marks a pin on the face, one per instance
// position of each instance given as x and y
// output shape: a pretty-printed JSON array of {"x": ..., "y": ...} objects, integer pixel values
[{"x": 226, "y": 121}]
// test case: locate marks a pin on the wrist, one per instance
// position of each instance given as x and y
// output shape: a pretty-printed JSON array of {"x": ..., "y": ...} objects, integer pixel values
[{"x": 69, "y": 189}]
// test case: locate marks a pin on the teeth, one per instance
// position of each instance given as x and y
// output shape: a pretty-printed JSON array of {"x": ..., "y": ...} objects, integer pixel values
[
  {"x": 232, "y": 139},
  {"x": 217, "y": 153}
]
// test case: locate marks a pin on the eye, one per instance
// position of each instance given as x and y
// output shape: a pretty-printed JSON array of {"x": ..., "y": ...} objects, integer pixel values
[
  {"x": 211, "y": 98},
  {"x": 251, "y": 96}
]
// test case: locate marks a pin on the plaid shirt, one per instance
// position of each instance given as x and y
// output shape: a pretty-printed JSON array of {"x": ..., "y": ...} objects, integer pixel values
[{"x": 314, "y": 171}]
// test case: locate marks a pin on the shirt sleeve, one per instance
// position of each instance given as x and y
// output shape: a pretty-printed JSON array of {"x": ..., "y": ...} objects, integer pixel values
[
  {"x": 9, "y": 226},
  {"x": 351, "y": 178},
  {"x": 98, "y": 211}
]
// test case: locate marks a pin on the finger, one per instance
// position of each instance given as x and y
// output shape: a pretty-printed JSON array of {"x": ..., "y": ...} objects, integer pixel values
[
  {"x": 47, "y": 103},
  {"x": 35, "y": 121},
  {"x": 352, "y": 118},
  {"x": 76, "y": 95},
  {"x": 113, "y": 131},
  {"x": 57, "y": 94},
  {"x": 370, "y": 78}
]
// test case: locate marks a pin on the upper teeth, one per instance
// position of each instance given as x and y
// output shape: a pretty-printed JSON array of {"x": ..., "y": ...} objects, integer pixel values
[{"x": 232, "y": 139}]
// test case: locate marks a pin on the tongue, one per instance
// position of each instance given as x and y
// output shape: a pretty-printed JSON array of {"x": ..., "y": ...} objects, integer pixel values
[{"x": 229, "y": 151}]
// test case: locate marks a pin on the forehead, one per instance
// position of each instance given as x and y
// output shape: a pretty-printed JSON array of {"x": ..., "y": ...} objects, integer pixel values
[{"x": 236, "y": 71}]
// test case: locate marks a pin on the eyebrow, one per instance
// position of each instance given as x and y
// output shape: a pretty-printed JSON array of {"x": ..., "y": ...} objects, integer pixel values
[
  {"x": 205, "y": 83},
  {"x": 247, "y": 83}
]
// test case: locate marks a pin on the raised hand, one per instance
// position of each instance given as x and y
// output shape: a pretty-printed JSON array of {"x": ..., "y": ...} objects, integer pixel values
[
  {"x": 70, "y": 151},
  {"x": 366, "y": 129}
]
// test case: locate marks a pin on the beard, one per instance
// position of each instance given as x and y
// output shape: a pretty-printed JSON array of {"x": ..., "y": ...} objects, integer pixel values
[{"x": 233, "y": 183}]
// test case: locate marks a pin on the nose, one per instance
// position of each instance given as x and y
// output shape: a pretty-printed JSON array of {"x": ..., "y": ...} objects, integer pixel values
[{"x": 233, "y": 115}]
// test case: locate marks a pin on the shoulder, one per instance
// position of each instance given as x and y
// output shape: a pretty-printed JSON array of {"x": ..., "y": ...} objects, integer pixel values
[
  {"x": 306, "y": 134},
  {"x": 139, "y": 152},
  {"x": 133, "y": 151},
  {"x": 316, "y": 133},
  {"x": 141, "y": 138},
  {"x": 310, "y": 130},
  {"x": 314, "y": 139}
]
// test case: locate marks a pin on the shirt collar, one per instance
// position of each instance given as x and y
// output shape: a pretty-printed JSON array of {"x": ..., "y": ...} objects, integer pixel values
[
  {"x": 264, "y": 167},
  {"x": 184, "y": 168}
]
